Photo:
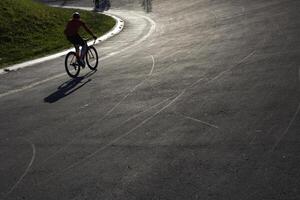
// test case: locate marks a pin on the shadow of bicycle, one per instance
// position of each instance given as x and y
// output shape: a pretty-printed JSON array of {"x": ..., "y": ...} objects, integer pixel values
[{"x": 68, "y": 87}]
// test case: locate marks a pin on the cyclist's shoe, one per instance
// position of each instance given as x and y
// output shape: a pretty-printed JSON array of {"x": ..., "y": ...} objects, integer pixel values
[{"x": 81, "y": 62}]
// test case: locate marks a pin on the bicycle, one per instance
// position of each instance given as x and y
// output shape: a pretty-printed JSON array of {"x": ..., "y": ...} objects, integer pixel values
[{"x": 73, "y": 67}]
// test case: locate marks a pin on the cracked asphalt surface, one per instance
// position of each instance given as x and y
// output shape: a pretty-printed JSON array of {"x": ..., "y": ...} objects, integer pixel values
[{"x": 198, "y": 99}]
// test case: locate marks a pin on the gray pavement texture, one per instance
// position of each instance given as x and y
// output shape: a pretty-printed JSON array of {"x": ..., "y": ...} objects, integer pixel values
[{"x": 206, "y": 106}]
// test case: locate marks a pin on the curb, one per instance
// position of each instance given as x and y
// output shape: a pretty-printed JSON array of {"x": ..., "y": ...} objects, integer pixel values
[{"x": 114, "y": 31}]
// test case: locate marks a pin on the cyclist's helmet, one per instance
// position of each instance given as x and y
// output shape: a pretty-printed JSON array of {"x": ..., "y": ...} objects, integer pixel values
[{"x": 76, "y": 15}]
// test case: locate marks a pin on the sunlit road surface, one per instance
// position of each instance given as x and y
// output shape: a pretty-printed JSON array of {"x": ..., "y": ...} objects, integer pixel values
[{"x": 198, "y": 99}]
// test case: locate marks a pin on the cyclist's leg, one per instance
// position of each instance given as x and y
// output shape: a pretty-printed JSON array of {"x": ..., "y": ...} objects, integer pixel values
[
  {"x": 77, "y": 51},
  {"x": 78, "y": 54},
  {"x": 78, "y": 41},
  {"x": 84, "y": 48},
  {"x": 74, "y": 41}
]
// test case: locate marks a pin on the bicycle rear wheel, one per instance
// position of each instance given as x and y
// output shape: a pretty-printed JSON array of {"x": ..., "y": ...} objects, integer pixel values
[
  {"x": 71, "y": 65},
  {"x": 92, "y": 58}
]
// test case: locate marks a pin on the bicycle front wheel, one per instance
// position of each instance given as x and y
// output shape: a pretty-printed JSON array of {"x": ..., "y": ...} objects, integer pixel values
[
  {"x": 71, "y": 65},
  {"x": 92, "y": 58}
]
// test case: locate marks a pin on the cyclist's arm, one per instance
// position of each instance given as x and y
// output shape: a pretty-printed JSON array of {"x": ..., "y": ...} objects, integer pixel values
[{"x": 88, "y": 30}]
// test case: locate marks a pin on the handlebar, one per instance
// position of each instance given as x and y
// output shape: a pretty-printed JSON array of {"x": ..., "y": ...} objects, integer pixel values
[{"x": 89, "y": 39}]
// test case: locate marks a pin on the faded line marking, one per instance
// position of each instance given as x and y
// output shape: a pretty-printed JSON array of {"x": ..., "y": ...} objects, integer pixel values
[
  {"x": 80, "y": 135},
  {"x": 129, "y": 119},
  {"x": 111, "y": 110},
  {"x": 287, "y": 129},
  {"x": 130, "y": 91},
  {"x": 138, "y": 85},
  {"x": 200, "y": 121},
  {"x": 229, "y": 69},
  {"x": 27, "y": 169},
  {"x": 223, "y": 72},
  {"x": 150, "y": 108},
  {"x": 106, "y": 114},
  {"x": 252, "y": 142},
  {"x": 153, "y": 64},
  {"x": 219, "y": 75},
  {"x": 196, "y": 82},
  {"x": 243, "y": 9},
  {"x": 31, "y": 85},
  {"x": 146, "y": 120},
  {"x": 215, "y": 15},
  {"x": 152, "y": 29},
  {"x": 299, "y": 73},
  {"x": 112, "y": 142}
]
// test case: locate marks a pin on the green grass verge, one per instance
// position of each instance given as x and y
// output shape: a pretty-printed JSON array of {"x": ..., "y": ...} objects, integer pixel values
[{"x": 29, "y": 29}]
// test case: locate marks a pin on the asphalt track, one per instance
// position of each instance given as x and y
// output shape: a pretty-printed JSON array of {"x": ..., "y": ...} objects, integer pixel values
[{"x": 197, "y": 100}]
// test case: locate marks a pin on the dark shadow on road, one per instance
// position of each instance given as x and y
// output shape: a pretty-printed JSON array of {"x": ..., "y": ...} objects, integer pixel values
[{"x": 68, "y": 88}]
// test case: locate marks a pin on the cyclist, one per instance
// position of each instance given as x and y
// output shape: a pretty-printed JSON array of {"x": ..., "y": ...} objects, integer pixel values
[
  {"x": 71, "y": 32},
  {"x": 97, "y": 3}
]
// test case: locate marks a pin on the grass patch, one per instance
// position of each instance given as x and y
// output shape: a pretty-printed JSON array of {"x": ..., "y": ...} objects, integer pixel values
[{"x": 29, "y": 29}]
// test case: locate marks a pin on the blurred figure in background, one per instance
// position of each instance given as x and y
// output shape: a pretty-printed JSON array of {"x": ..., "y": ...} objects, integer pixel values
[
  {"x": 102, "y": 5},
  {"x": 147, "y": 4},
  {"x": 97, "y": 4}
]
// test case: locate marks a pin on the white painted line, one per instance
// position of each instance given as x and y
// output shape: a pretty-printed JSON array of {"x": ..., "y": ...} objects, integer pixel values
[
  {"x": 27, "y": 169},
  {"x": 287, "y": 129},
  {"x": 200, "y": 121},
  {"x": 130, "y": 91},
  {"x": 150, "y": 73},
  {"x": 115, "y": 30},
  {"x": 111, "y": 110},
  {"x": 150, "y": 108},
  {"x": 299, "y": 73},
  {"x": 153, "y": 64},
  {"x": 50, "y": 177},
  {"x": 152, "y": 29},
  {"x": 106, "y": 114},
  {"x": 229, "y": 69},
  {"x": 31, "y": 85},
  {"x": 110, "y": 143},
  {"x": 129, "y": 119},
  {"x": 143, "y": 122},
  {"x": 215, "y": 15}
]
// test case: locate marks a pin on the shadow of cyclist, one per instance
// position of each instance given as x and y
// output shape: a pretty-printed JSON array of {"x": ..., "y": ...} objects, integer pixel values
[{"x": 68, "y": 88}]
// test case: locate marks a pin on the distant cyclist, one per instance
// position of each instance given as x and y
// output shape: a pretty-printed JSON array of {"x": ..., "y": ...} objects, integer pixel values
[
  {"x": 97, "y": 4},
  {"x": 102, "y": 5},
  {"x": 73, "y": 36}
]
